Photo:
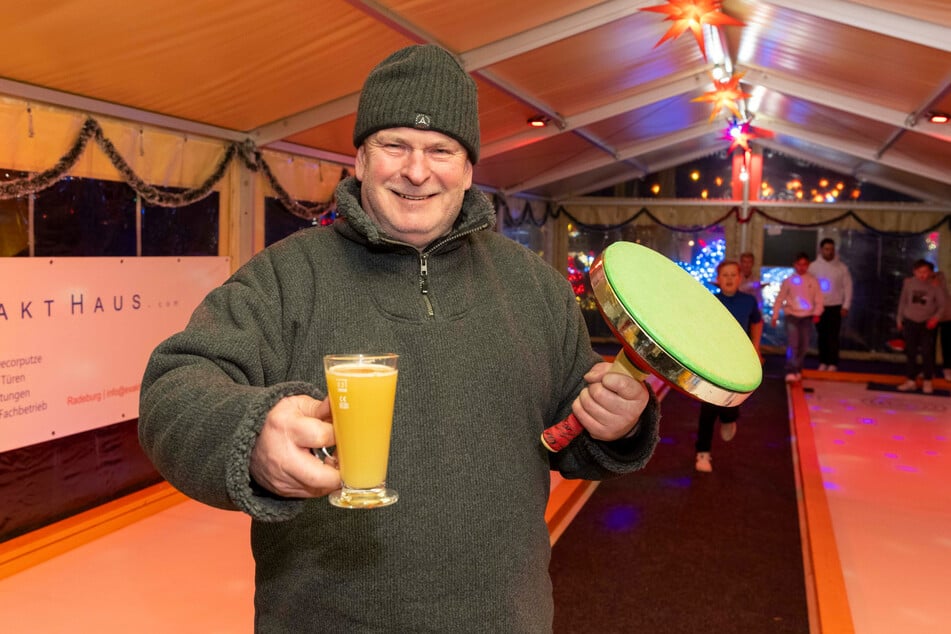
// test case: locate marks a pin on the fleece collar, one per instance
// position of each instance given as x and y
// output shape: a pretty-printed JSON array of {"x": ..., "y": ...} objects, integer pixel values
[{"x": 477, "y": 214}]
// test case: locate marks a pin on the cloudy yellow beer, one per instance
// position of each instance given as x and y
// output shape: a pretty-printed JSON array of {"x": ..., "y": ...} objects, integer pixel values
[{"x": 361, "y": 399}]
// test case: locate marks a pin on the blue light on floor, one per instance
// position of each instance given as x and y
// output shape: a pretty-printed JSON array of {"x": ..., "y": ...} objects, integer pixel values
[
  {"x": 622, "y": 518},
  {"x": 677, "y": 483}
]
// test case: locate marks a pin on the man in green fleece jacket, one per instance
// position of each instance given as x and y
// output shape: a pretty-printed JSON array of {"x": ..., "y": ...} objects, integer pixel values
[{"x": 493, "y": 349}]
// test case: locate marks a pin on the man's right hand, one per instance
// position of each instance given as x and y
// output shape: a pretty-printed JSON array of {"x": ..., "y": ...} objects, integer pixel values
[{"x": 281, "y": 460}]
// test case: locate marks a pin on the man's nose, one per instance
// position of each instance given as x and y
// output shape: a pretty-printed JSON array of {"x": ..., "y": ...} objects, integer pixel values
[{"x": 416, "y": 167}]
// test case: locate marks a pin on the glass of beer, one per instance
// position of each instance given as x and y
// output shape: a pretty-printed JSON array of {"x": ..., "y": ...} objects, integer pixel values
[{"x": 362, "y": 390}]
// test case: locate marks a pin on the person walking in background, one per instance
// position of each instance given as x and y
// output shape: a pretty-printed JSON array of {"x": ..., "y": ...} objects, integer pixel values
[
  {"x": 836, "y": 284},
  {"x": 800, "y": 299},
  {"x": 745, "y": 310},
  {"x": 750, "y": 283},
  {"x": 919, "y": 307},
  {"x": 940, "y": 280}
]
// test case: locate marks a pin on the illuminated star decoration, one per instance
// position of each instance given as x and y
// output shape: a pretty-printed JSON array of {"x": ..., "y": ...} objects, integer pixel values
[
  {"x": 725, "y": 95},
  {"x": 692, "y": 14},
  {"x": 739, "y": 134}
]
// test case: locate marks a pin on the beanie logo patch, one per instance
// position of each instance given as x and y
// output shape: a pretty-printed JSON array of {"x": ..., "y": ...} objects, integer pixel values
[{"x": 422, "y": 121}]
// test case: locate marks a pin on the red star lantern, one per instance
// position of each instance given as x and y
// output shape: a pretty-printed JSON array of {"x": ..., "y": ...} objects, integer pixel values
[
  {"x": 692, "y": 14},
  {"x": 740, "y": 135},
  {"x": 725, "y": 95}
]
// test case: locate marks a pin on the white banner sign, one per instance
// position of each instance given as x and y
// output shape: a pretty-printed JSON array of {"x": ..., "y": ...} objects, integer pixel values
[{"x": 76, "y": 334}]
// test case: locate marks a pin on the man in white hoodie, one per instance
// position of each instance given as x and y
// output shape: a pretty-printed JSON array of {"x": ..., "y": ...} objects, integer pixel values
[{"x": 836, "y": 284}]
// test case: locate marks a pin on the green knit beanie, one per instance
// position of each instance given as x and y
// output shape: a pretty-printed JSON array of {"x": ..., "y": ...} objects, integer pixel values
[{"x": 422, "y": 87}]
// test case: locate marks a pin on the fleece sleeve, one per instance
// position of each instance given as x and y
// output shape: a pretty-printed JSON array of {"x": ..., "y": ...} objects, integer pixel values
[
  {"x": 207, "y": 390},
  {"x": 586, "y": 457}
]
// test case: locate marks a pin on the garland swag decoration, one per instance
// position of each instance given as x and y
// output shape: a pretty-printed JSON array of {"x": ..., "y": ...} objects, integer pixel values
[
  {"x": 528, "y": 216},
  {"x": 249, "y": 155},
  {"x": 252, "y": 159}
]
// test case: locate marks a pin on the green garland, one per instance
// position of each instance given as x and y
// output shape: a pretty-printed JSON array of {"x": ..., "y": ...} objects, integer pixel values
[
  {"x": 253, "y": 160},
  {"x": 249, "y": 155},
  {"x": 527, "y": 216}
]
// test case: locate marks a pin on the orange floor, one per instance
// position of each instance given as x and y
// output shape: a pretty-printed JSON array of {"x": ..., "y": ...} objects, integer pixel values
[
  {"x": 885, "y": 464},
  {"x": 881, "y": 459},
  {"x": 187, "y": 569}
]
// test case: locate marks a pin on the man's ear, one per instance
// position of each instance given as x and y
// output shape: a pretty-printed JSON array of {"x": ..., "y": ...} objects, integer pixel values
[
  {"x": 359, "y": 164},
  {"x": 468, "y": 175}
]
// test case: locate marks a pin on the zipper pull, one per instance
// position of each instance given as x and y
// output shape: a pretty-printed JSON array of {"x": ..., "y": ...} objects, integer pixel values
[{"x": 423, "y": 274}]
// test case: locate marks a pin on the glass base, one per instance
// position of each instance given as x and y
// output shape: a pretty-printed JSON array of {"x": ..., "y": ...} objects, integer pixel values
[{"x": 363, "y": 498}]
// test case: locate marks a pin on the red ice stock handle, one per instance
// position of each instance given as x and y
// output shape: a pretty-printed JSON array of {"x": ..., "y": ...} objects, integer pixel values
[{"x": 559, "y": 435}]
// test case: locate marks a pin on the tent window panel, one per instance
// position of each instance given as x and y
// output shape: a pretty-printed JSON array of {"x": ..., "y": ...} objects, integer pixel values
[
  {"x": 529, "y": 236},
  {"x": 787, "y": 178},
  {"x": 14, "y": 220},
  {"x": 85, "y": 217},
  {"x": 879, "y": 264},
  {"x": 191, "y": 230},
  {"x": 781, "y": 245},
  {"x": 280, "y": 223}
]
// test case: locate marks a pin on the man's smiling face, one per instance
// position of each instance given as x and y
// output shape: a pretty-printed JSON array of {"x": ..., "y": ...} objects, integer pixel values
[{"x": 413, "y": 182}]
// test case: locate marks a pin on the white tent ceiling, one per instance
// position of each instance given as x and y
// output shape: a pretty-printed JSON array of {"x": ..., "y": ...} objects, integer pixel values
[{"x": 843, "y": 84}]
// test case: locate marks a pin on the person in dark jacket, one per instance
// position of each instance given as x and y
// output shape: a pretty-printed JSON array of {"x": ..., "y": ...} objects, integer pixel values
[
  {"x": 919, "y": 308},
  {"x": 745, "y": 309},
  {"x": 493, "y": 349}
]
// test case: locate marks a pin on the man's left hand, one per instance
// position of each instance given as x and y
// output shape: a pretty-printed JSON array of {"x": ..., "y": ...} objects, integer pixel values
[{"x": 610, "y": 406}]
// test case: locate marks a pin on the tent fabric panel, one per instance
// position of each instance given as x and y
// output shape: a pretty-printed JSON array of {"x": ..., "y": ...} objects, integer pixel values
[
  {"x": 937, "y": 11},
  {"x": 841, "y": 57},
  {"x": 470, "y": 25},
  {"x": 595, "y": 67},
  {"x": 236, "y": 64},
  {"x": 530, "y": 161}
]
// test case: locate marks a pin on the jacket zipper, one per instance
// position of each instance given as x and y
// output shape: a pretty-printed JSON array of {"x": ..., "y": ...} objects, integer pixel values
[
  {"x": 424, "y": 266},
  {"x": 424, "y": 282}
]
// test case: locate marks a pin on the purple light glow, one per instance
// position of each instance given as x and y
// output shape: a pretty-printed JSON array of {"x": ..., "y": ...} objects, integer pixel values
[
  {"x": 677, "y": 483},
  {"x": 830, "y": 486},
  {"x": 893, "y": 456},
  {"x": 907, "y": 468},
  {"x": 867, "y": 421},
  {"x": 899, "y": 438},
  {"x": 621, "y": 518}
]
